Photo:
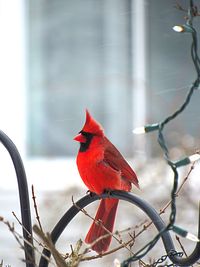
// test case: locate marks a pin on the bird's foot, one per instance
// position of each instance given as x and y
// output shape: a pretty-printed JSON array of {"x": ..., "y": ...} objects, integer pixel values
[
  {"x": 90, "y": 193},
  {"x": 108, "y": 191}
]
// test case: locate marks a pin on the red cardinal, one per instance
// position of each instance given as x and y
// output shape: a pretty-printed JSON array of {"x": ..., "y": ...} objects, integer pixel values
[{"x": 102, "y": 167}]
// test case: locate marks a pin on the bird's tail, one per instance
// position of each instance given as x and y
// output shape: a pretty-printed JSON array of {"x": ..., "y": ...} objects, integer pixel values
[{"x": 106, "y": 217}]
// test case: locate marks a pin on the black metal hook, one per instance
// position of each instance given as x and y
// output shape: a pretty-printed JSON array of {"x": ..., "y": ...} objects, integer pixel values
[
  {"x": 141, "y": 204},
  {"x": 24, "y": 198}
]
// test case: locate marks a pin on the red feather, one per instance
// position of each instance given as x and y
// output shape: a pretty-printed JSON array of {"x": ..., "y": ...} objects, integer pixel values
[
  {"x": 115, "y": 159},
  {"x": 106, "y": 216},
  {"x": 102, "y": 167},
  {"x": 92, "y": 126}
]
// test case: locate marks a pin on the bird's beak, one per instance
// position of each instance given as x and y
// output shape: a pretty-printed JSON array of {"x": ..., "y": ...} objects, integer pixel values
[{"x": 80, "y": 138}]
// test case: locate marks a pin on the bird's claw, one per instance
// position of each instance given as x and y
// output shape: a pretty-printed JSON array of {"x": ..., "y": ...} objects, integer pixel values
[
  {"x": 108, "y": 191},
  {"x": 90, "y": 193}
]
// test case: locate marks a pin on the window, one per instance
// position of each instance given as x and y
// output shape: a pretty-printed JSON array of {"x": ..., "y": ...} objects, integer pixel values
[
  {"x": 107, "y": 56},
  {"x": 80, "y": 55},
  {"x": 41, "y": 112}
]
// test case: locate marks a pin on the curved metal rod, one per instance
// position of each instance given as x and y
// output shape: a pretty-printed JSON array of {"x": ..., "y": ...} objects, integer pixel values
[
  {"x": 141, "y": 204},
  {"x": 24, "y": 198}
]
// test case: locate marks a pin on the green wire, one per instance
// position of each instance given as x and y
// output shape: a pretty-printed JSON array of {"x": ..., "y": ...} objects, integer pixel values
[{"x": 161, "y": 140}]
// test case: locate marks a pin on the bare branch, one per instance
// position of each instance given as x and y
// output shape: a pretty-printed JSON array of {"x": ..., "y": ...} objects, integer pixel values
[
  {"x": 179, "y": 241},
  {"x": 48, "y": 242},
  {"x": 36, "y": 209}
]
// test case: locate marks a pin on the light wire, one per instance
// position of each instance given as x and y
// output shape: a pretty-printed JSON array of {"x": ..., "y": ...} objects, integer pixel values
[{"x": 161, "y": 140}]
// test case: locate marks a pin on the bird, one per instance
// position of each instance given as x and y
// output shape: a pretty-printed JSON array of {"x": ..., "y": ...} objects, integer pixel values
[{"x": 102, "y": 168}]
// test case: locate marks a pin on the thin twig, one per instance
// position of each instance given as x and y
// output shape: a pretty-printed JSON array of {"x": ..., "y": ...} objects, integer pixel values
[
  {"x": 19, "y": 237},
  {"x": 98, "y": 222},
  {"x": 179, "y": 7},
  {"x": 179, "y": 241},
  {"x": 122, "y": 244},
  {"x": 16, "y": 235},
  {"x": 48, "y": 242},
  {"x": 20, "y": 223},
  {"x": 195, "y": 10},
  {"x": 36, "y": 209}
]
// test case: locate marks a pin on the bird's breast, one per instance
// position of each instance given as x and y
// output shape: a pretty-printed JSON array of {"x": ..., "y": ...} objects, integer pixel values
[{"x": 87, "y": 163}]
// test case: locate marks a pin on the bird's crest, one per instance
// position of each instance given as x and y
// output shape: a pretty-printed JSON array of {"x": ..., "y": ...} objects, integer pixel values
[{"x": 92, "y": 126}]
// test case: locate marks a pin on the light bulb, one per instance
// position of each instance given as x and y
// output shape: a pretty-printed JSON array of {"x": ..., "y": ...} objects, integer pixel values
[
  {"x": 185, "y": 234},
  {"x": 178, "y": 28},
  {"x": 187, "y": 160},
  {"x": 194, "y": 157},
  {"x": 183, "y": 28},
  {"x": 139, "y": 130},
  {"x": 146, "y": 129}
]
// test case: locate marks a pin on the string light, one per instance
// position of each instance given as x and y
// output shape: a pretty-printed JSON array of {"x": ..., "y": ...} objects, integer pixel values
[
  {"x": 178, "y": 28},
  {"x": 183, "y": 28},
  {"x": 187, "y": 160},
  {"x": 185, "y": 233},
  {"x": 146, "y": 129},
  {"x": 188, "y": 27}
]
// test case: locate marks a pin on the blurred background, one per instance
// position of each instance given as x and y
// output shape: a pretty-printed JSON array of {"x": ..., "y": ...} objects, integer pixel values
[{"x": 119, "y": 59}]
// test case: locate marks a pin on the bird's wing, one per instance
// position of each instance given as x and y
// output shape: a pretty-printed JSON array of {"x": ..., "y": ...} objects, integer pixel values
[{"x": 115, "y": 159}]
